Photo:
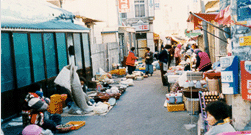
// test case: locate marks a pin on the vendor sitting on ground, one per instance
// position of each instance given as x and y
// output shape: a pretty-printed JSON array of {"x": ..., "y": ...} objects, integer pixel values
[
  {"x": 218, "y": 118},
  {"x": 35, "y": 110}
]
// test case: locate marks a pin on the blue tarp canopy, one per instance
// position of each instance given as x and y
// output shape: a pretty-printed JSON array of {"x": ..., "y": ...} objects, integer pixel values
[{"x": 36, "y": 14}]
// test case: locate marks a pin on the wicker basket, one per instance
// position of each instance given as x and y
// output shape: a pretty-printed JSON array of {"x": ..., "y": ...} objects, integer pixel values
[{"x": 67, "y": 128}]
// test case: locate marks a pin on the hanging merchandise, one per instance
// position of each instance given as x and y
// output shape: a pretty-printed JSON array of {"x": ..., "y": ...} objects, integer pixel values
[
  {"x": 198, "y": 84},
  {"x": 186, "y": 84},
  {"x": 191, "y": 84},
  {"x": 230, "y": 74},
  {"x": 246, "y": 80}
]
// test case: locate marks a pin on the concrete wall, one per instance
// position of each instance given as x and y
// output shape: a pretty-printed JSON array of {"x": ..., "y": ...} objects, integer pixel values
[{"x": 241, "y": 109}]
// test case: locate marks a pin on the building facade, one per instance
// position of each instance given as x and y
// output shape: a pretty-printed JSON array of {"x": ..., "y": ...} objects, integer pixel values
[{"x": 140, "y": 16}]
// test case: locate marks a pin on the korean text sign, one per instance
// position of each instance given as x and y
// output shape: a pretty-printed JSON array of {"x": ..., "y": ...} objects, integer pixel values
[
  {"x": 246, "y": 80},
  {"x": 124, "y": 6}
]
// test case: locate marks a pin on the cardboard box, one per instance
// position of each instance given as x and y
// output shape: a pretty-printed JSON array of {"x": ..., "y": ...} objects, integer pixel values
[{"x": 175, "y": 107}]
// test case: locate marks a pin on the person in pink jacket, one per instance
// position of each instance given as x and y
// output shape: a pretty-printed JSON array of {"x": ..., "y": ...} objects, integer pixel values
[{"x": 177, "y": 54}]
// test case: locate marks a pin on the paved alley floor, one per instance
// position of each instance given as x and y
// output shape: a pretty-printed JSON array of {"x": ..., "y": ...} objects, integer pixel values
[{"x": 139, "y": 111}]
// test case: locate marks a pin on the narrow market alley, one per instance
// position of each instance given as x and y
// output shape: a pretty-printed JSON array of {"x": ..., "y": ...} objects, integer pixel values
[{"x": 139, "y": 111}]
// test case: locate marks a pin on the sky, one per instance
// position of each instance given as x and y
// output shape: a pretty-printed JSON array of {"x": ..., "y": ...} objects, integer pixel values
[{"x": 170, "y": 16}]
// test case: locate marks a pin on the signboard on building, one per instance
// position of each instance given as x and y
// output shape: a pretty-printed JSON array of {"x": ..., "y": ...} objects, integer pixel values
[
  {"x": 156, "y": 4},
  {"x": 124, "y": 6},
  {"x": 246, "y": 80},
  {"x": 245, "y": 41},
  {"x": 243, "y": 10},
  {"x": 151, "y": 7},
  {"x": 141, "y": 27}
]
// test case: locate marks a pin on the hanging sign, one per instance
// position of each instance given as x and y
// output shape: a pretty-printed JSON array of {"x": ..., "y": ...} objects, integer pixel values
[
  {"x": 246, "y": 80},
  {"x": 124, "y": 6}
]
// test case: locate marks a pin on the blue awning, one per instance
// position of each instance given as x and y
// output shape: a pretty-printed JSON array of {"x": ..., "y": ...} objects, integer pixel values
[{"x": 53, "y": 24}]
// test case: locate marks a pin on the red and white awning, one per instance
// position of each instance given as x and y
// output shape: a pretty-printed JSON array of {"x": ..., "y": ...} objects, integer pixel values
[{"x": 224, "y": 16}]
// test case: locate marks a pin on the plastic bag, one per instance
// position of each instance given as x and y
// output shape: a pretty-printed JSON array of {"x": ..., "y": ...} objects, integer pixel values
[
  {"x": 113, "y": 90},
  {"x": 101, "y": 108}
]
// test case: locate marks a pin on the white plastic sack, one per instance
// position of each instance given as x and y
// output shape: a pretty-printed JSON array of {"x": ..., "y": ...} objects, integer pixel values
[
  {"x": 113, "y": 90},
  {"x": 129, "y": 82},
  {"x": 79, "y": 97},
  {"x": 63, "y": 78},
  {"x": 100, "y": 108},
  {"x": 101, "y": 71}
]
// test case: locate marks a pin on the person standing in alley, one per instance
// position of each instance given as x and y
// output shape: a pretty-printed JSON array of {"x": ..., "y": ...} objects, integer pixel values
[
  {"x": 130, "y": 60},
  {"x": 177, "y": 54},
  {"x": 149, "y": 61},
  {"x": 163, "y": 61},
  {"x": 171, "y": 56}
]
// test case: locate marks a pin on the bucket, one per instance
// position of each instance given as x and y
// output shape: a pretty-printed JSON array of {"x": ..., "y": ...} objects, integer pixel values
[
  {"x": 170, "y": 98},
  {"x": 178, "y": 98}
]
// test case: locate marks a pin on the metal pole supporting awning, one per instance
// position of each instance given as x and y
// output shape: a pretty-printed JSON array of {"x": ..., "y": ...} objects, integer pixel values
[
  {"x": 209, "y": 22},
  {"x": 214, "y": 35}
]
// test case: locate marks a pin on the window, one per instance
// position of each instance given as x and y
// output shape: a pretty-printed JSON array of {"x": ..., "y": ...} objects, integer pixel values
[
  {"x": 123, "y": 15},
  {"x": 139, "y": 8},
  {"x": 7, "y": 76},
  {"x": 61, "y": 49},
  {"x": 22, "y": 59},
  {"x": 86, "y": 49},
  {"x": 78, "y": 52},
  {"x": 50, "y": 55},
  {"x": 37, "y": 56}
]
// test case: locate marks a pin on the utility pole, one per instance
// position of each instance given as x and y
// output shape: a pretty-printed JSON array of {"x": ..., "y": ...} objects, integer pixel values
[{"x": 204, "y": 25}]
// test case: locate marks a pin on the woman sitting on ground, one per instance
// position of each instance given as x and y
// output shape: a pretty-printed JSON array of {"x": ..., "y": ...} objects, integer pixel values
[
  {"x": 35, "y": 107},
  {"x": 218, "y": 118}
]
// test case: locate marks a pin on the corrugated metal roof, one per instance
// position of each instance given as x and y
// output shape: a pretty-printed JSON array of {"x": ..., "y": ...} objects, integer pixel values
[{"x": 36, "y": 14}]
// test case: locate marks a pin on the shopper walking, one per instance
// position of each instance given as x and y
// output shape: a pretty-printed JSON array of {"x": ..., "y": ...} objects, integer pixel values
[
  {"x": 163, "y": 61},
  {"x": 149, "y": 61},
  {"x": 203, "y": 62},
  {"x": 177, "y": 54},
  {"x": 130, "y": 60}
]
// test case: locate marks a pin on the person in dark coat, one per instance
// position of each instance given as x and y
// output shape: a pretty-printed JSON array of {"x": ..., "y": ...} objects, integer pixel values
[
  {"x": 149, "y": 61},
  {"x": 163, "y": 59}
]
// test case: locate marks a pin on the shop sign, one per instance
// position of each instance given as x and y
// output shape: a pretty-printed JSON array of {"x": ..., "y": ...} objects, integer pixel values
[
  {"x": 142, "y": 27},
  {"x": 246, "y": 80},
  {"x": 243, "y": 10},
  {"x": 151, "y": 7},
  {"x": 230, "y": 74},
  {"x": 245, "y": 41},
  {"x": 124, "y": 6},
  {"x": 156, "y": 3}
]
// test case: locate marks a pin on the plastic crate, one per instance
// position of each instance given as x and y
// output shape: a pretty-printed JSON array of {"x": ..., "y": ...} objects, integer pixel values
[
  {"x": 76, "y": 124},
  {"x": 175, "y": 107}
]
